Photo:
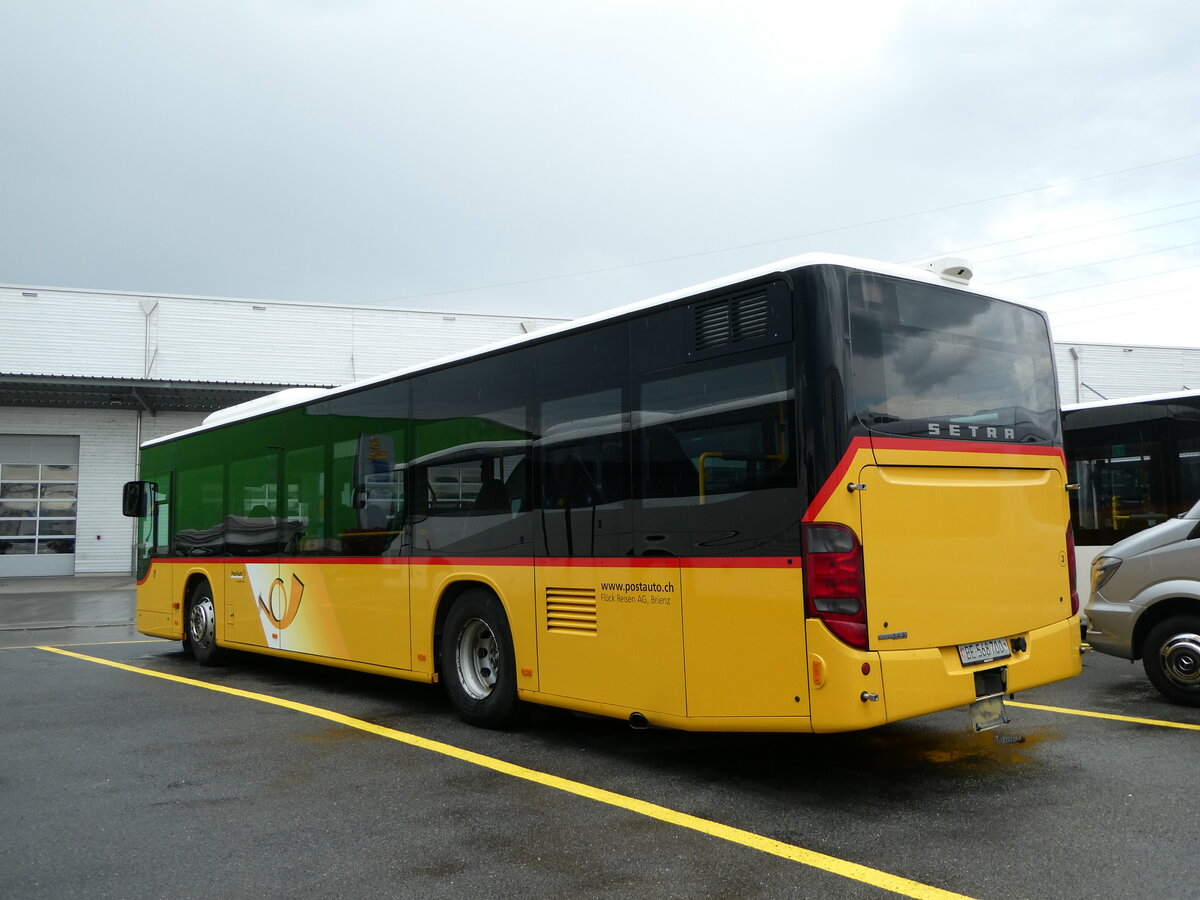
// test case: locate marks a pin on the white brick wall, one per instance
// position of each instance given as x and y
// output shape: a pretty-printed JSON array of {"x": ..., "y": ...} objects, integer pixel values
[
  {"x": 107, "y": 442},
  {"x": 103, "y": 338}
]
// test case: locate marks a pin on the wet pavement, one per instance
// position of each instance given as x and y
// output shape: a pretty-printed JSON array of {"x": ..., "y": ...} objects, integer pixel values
[
  {"x": 58, "y": 603},
  {"x": 306, "y": 783}
]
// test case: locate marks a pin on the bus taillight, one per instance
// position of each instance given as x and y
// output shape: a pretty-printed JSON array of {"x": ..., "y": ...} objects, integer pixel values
[
  {"x": 1071, "y": 570},
  {"x": 834, "y": 586}
]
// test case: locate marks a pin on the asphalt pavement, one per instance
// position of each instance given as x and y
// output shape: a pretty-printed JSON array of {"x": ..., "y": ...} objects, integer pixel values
[
  {"x": 56, "y": 603},
  {"x": 130, "y": 771}
]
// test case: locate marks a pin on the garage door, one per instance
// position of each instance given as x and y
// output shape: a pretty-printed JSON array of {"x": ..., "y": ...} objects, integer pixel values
[{"x": 39, "y": 489}]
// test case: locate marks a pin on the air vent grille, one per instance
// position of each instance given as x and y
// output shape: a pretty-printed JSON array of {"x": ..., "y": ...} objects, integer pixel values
[
  {"x": 571, "y": 610},
  {"x": 732, "y": 321}
]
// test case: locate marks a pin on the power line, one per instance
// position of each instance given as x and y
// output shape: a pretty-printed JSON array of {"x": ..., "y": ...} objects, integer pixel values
[
  {"x": 794, "y": 237},
  {"x": 1088, "y": 240},
  {"x": 1114, "y": 281},
  {"x": 1131, "y": 312},
  {"x": 1025, "y": 237},
  {"x": 1090, "y": 306},
  {"x": 1091, "y": 265}
]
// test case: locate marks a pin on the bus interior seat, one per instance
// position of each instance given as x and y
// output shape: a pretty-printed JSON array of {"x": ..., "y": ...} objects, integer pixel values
[
  {"x": 517, "y": 487},
  {"x": 581, "y": 488},
  {"x": 372, "y": 518},
  {"x": 491, "y": 499},
  {"x": 669, "y": 470}
]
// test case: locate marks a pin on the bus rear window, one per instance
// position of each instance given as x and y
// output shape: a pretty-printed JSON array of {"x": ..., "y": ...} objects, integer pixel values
[{"x": 936, "y": 362}]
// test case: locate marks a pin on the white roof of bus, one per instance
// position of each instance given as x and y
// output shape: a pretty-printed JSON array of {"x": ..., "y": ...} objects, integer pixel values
[
  {"x": 1125, "y": 401},
  {"x": 300, "y": 396}
]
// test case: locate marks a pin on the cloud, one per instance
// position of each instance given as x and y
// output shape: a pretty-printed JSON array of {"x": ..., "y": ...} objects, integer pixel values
[{"x": 433, "y": 155}]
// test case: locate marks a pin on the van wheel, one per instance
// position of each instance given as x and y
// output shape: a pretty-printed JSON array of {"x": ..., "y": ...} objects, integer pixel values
[
  {"x": 1171, "y": 657},
  {"x": 478, "y": 667},
  {"x": 200, "y": 627}
]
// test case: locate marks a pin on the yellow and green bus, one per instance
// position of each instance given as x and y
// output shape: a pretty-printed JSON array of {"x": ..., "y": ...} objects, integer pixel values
[{"x": 822, "y": 495}]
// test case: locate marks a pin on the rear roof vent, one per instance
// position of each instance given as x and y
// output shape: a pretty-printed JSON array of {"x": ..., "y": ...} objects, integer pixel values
[{"x": 732, "y": 320}]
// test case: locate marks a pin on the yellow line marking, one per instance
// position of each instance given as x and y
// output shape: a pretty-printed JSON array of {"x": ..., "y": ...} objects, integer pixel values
[
  {"x": 832, "y": 864},
  {"x": 85, "y": 644},
  {"x": 1162, "y": 723}
]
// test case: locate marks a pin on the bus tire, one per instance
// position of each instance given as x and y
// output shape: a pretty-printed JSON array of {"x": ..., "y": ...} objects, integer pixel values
[
  {"x": 200, "y": 627},
  {"x": 478, "y": 665},
  {"x": 1171, "y": 658}
]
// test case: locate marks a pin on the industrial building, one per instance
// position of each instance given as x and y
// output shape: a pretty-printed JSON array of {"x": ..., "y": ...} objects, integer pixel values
[
  {"x": 1089, "y": 372},
  {"x": 87, "y": 375}
]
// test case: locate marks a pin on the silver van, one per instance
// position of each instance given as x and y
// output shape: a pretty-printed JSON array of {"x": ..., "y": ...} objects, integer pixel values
[{"x": 1145, "y": 604}]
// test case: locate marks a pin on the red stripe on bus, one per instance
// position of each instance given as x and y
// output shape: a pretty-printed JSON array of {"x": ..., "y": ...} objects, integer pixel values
[
  {"x": 670, "y": 562},
  {"x": 834, "y": 481},
  {"x": 923, "y": 445},
  {"x": 583, "y": 562},
  {"x": 741, "y": 562},
  {"x": 940, "y": 446}
]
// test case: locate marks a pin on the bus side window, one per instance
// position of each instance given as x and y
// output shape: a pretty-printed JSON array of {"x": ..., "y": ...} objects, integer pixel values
[
  {"x": 200, "y": 510},
  {"x": 715, "y": 431},
  {"x": 714, "y": 449},
  {"x": 470, "y": 440},
  {"x": 583, "y": 483},
  {"x": 250, "y": 525},
  {"x": 153, "y": 528},
  {"x": 161, "y": 539},
  {"x": 667, "y": 469},
  {"x": 1189, "y": 472},
  {"x": 304, "y": 486}
]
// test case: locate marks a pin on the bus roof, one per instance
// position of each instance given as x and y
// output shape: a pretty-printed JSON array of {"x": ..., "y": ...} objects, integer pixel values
[
  {"x": 293, "y": 397},
  {"x": 1129, "y": 401}
]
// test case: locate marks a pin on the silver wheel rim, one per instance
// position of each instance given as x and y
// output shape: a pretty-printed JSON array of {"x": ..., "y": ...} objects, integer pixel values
[
  {"x": 201, "y": 623},
  {"x": 478, "y": 656},
  {"x": 1181, "y": 660}
]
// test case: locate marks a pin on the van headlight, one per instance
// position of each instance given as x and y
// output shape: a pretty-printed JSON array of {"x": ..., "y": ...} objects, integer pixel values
[{"x": 1103, "y": 568}]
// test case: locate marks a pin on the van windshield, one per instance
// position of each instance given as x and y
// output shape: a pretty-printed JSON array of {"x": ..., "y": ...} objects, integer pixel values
[{"x": 936, "y": 362}]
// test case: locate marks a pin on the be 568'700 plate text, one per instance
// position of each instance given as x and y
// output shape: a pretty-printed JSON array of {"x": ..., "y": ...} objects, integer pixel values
[{"x": 984, "y": 651}]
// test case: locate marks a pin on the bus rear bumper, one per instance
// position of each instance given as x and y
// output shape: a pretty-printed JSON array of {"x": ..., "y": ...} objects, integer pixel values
[{"x": 917, "y": 682}]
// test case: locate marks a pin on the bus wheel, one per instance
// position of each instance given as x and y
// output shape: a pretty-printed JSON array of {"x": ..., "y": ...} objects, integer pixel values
[
  {"x": 200, "y": 627},
  {"x": 1171, "y": 657},
  {"x": 478, "y": 667}
]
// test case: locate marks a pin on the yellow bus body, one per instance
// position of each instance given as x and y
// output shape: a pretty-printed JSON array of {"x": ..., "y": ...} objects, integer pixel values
[{"x": 710, "y": 644}]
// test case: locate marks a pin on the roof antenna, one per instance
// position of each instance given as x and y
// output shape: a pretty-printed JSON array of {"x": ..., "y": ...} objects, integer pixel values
[{"x": 951, "y": 269}]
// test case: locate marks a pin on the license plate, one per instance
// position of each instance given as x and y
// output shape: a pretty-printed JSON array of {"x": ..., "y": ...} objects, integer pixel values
[
  {"x": 987, "y": 713},
  {"x": 984, "y": 651}
]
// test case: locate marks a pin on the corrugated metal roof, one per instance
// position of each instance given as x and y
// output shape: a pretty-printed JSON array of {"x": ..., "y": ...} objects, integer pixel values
[
  {"x": 74, "y": 392},
  {"x": 1116, "y": 371},
  {"x": 1125, "y": 401}
]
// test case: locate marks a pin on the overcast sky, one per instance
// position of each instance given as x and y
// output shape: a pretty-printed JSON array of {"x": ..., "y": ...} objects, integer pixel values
[{"x": 562, "y": 157}]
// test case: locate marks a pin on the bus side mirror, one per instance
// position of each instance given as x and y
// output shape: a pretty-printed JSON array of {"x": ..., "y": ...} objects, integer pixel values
[{"x": 135, "y": 501}]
